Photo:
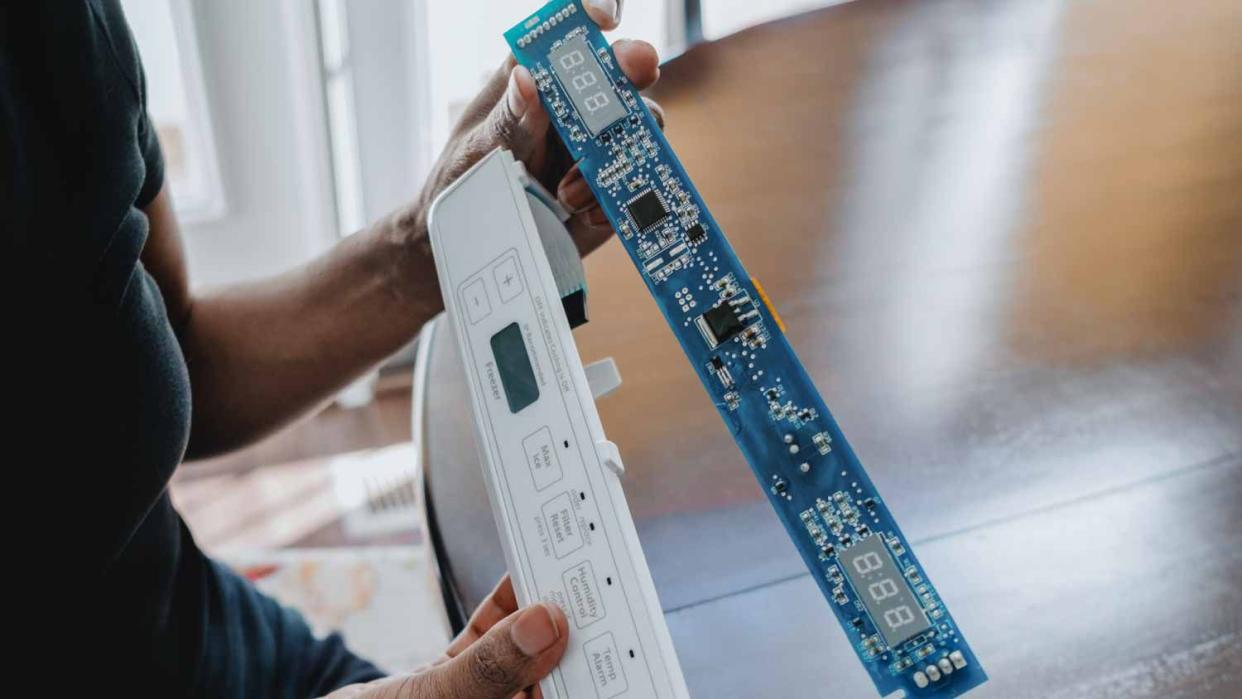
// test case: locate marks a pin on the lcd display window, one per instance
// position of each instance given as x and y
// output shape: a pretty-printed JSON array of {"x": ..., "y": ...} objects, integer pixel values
[
  {"x": 878, "y": 582},
  {"x": 587, "y": 84},
  {"x": 513, "y": 364}
]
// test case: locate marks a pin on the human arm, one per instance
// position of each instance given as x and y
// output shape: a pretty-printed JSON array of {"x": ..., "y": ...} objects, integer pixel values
[{"x": 263, "y": 353}]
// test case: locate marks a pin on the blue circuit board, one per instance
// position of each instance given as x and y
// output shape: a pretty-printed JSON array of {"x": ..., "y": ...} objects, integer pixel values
[{"x": 892, "y": 615}]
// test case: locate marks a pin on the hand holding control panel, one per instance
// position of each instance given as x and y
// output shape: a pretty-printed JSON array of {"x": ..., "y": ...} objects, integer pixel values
[{"x": 552, "y": 476}]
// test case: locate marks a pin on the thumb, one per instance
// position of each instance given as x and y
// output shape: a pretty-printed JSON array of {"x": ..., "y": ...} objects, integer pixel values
[
  {"x": 517, "y": 121},
  {"x": 514, "y": 654}
]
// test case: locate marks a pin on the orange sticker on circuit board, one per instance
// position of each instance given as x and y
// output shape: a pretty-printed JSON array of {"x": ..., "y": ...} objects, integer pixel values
[{"x": 768, "y": 302}]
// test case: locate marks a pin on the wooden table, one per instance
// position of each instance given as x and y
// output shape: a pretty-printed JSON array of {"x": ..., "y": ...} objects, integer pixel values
[{"x": 1007, "y": 241}]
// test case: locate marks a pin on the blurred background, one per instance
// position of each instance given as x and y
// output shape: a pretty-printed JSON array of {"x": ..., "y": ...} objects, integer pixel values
[
  {"x": 1006, "y": 236},
  {"x": 287, "y": 124}
]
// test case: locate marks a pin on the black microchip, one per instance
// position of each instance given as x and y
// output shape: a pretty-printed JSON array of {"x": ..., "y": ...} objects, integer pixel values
[
  {"x": 723, "y": 322},
  {"x": 696, "y": 233},
  {"x": 647, "y": 210}
]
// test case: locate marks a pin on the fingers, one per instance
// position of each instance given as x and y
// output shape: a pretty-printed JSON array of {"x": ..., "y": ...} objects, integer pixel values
[
  {"x": 573, "y": 192},
  {"x": 575, "y": 195},
  {"x": 590, "y": 229},
  {"x": 516, "y": 121},
  {"x": 606, "y": 13},
  {"x": 499, "y": 604},
  {"x": 504, "y": 596},
  {"x": 656, "y": 111},
  {"x": 504, "y": 126},
  {"x": 485, "y": 101},
  {"x": 535, "y": 122},
  {"x": 638, "y": 60},
  {"x": 515, "y": 653}
]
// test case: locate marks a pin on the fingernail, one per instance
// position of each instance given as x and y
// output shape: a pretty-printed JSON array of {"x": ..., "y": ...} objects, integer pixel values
[
  {"x": 535, "y": 630},
  {"x": 576, "y": 193},
  {"x": 608, "y": 7},
  {"x": 517, "y": 103}
]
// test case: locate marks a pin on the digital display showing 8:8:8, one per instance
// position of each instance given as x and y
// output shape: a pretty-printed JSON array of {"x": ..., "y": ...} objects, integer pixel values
[
  {"x": 580, "y": 73},
  {"x": 878, "y": 582}
]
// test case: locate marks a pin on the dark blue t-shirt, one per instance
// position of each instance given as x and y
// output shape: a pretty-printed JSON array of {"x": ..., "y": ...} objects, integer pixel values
[{"x": 121, "y": 596}]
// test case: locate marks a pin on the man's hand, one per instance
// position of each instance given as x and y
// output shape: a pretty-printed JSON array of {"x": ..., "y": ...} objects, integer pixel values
[
  {"x": 508, "y": 113},
  {"x": 503, "y": 653}
]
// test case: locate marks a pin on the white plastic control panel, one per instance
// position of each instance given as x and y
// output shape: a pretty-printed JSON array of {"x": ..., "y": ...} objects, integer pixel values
[{"x": 551, "y": 474}]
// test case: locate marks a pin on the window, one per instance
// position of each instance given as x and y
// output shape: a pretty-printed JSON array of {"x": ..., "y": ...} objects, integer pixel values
[
  {"x": 177, "y": 103},
  {"x": 338, "y": 86}
]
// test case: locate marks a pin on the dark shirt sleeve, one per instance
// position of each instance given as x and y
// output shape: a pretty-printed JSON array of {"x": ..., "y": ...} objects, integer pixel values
[
  {"x": 80, "y": 152},
  {"x": 149, "y": 144},
  {"x": 125, "y": 54}
]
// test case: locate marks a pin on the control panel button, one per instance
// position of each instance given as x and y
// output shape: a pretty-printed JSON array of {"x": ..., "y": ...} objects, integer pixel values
[
  {"x": 562, "y": 521},
  {"x": 508, "y": 280},
  {"x": 474, "y": 297},
  {"x": 582, "y": 593},
  {"x": 605, "y": 666},
  {"x": 545, "y": 465}
]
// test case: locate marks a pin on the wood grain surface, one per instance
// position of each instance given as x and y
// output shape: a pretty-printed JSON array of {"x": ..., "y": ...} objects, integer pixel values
[{"x": 1007, "y": 241}]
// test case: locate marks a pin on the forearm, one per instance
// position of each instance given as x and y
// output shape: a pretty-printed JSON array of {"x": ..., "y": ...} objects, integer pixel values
[{"x": 264, "y": 353}]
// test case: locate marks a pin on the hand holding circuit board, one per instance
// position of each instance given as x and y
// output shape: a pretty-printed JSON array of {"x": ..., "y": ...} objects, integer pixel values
[
  {"x": 508, "y": 114},
  {"x": 894, "y": 618}
]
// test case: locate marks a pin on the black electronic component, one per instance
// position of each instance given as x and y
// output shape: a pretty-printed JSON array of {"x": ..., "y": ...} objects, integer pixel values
[
  {"x": 720, "y": 324},
  {"x": 721, "y": 371},
  {"x": 696, "y": 233},
  {"x": 647, "y": 209}
]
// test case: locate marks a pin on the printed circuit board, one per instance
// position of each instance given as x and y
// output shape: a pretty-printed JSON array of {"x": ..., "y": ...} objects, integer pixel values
[{"x": 892, "y": 615}]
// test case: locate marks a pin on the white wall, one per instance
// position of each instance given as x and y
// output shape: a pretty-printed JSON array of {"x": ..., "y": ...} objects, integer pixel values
[
  {"x": 389, "y": 101},
  {"x": 261, "y": 77}
]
